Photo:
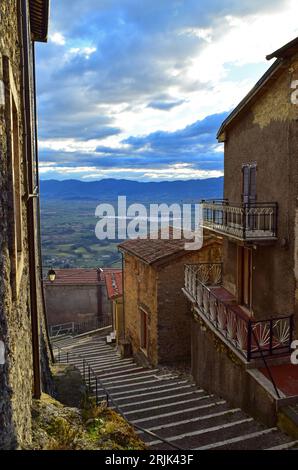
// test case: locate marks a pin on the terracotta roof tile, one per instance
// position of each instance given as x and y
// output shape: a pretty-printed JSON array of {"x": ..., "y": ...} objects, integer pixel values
[
  {"x": 80, "y": 276},
  {"x": 151, "y": 251},
  {"x": 113, "y": 282}
]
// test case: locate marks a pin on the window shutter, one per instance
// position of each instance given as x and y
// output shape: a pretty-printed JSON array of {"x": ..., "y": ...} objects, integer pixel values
[
  {"x": 249, "y": 182},
  {"x": 253, "y": 183},
  {"x": 245, "y": 183}
]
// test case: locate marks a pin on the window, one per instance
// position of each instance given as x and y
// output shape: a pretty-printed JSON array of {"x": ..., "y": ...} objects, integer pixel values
[{"x": 249, "y": 187}]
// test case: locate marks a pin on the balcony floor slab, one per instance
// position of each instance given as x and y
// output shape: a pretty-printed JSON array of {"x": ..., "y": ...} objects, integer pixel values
[{"x": 222, "y": 294}]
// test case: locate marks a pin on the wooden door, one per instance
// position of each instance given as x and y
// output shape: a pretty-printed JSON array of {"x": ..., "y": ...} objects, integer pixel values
[
  {"x": 246, "y": 276},
  {"x": 144, "y": 330}
]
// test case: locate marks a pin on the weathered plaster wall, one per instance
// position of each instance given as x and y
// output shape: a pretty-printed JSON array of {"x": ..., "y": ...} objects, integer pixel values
[
  {"x": 216, "y": 369},
  {"x": 267, "y": 135},
  {"x": 275, "y": 104},
  {"x": 72, "y": 303},
  {"x": 106, "y": 307},
  {"x": 173, "y": 311}
]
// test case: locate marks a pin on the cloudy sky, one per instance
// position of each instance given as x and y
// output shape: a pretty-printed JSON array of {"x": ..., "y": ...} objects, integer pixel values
[{"x": 137, "y": 89}]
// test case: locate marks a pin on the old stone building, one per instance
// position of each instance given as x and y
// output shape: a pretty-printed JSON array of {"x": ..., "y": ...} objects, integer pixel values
[
  {"x": 156, "y": 316},
  {"x": 247, "y": 311},
  {"x": 78, "y": 296},
  {"x": 24, "y": 371}
]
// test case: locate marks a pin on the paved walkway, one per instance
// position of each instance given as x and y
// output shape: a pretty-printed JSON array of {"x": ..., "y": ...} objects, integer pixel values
[{"x": 169, "y": 406}]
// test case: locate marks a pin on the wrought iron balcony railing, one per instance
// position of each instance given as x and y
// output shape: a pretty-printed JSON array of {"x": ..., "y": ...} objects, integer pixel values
[
  {"x": 247, "y": 221},
  {"x": 253, "y": 339}
]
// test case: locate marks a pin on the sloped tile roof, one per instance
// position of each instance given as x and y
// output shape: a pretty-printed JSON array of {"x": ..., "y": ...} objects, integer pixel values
[
  {"x": 154, "y": 250},
  {"x": 39, "y": 19},
  {"x": 285, "y": 51},
  {"x": 80, "y": 276},
  {"x": 113, "y": 282}
]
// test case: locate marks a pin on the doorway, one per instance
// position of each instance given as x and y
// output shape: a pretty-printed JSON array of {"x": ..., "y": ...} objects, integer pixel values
[
  {"x": 144, "y": 330},
  {"x": 245, "y": 262}
]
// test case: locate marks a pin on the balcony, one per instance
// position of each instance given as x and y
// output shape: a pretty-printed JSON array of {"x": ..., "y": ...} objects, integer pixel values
[
  {"x": 218, "y": 309},
  {"x": 246, "y": 222}
]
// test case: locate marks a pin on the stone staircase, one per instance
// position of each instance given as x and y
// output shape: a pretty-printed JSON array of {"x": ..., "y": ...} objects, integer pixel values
[{"x": 169, "y": 406}]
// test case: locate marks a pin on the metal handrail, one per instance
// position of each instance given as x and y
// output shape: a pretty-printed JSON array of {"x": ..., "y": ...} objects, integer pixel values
[
  {"x": 250, "y": 324},
  {"x": 240, "y": 204},
  {"x": 250, "y": 331},
  {"x": 246, "y": 220},
  {"x": 78, "y": 327},
  {"x": 109, "y": 398}
]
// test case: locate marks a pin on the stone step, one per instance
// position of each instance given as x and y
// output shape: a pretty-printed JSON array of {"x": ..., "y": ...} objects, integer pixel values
[
  {"x": 155, "y": 393},
  {"x": 117, "y": 372},
  {"x": 178, "y": 424},
  {"x": 151, "y": 387},
  {"x": 208, "y": 436},
  {"x": 125, "y": 401},
  {"x": 70, "y": 341},
  {"x": 248, "y": 440},
  {"x": 161, "y": 400},
  {"x": 95, "y": 351},
  {"x": 134, "y": 379},
  {"x": 111, "y": 375},
  {"x": 209, "y": 406},
  {"x": 107, "y": 364},
  {"x": 148, "y": 383},
  {"x": 177, "y": 405},
  {"x": 128, "y": 387},
  {"x": 171, "y": 407},
  {"x": 293, "y": 445}
]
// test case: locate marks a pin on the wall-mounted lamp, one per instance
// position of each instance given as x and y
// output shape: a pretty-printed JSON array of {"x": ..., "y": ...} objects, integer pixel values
[{"x": 51, "y": 275}]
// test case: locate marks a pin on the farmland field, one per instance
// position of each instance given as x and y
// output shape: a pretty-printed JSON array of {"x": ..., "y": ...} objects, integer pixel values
[{"x": 68, "y": 236}]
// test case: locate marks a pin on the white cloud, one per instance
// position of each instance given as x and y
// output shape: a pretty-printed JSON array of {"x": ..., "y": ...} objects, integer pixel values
[
  {"x": 235, "y": 42},
  {"x": 57, "y": 38},
  {"x": 179, "y": 171},
  {"x": 228, "y": 60},
  {"x": 84, "y": 51}
]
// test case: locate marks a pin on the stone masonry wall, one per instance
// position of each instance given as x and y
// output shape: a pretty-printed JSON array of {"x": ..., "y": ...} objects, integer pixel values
[
  {"x": 174, "y": 319},
  {"x": 16, "y": 375},
  {"x": 158, "y": 290},
  {"x": 140, "y": 281}
]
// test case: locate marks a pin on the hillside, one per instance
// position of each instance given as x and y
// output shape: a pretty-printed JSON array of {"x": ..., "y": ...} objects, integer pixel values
[
  {"x": 68, "y": 215},
  {"x": 110, "y": 189}
]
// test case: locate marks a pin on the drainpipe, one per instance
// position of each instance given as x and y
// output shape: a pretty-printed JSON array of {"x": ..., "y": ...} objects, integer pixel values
[{"x": 31, "y": 194}]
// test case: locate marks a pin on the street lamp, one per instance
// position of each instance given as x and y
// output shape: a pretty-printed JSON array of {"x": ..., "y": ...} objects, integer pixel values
[{"x": 51, "y": 275}]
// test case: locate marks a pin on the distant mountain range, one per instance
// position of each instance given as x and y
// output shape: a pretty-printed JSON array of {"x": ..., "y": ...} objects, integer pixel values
[{"x": 110, "y": 189}]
